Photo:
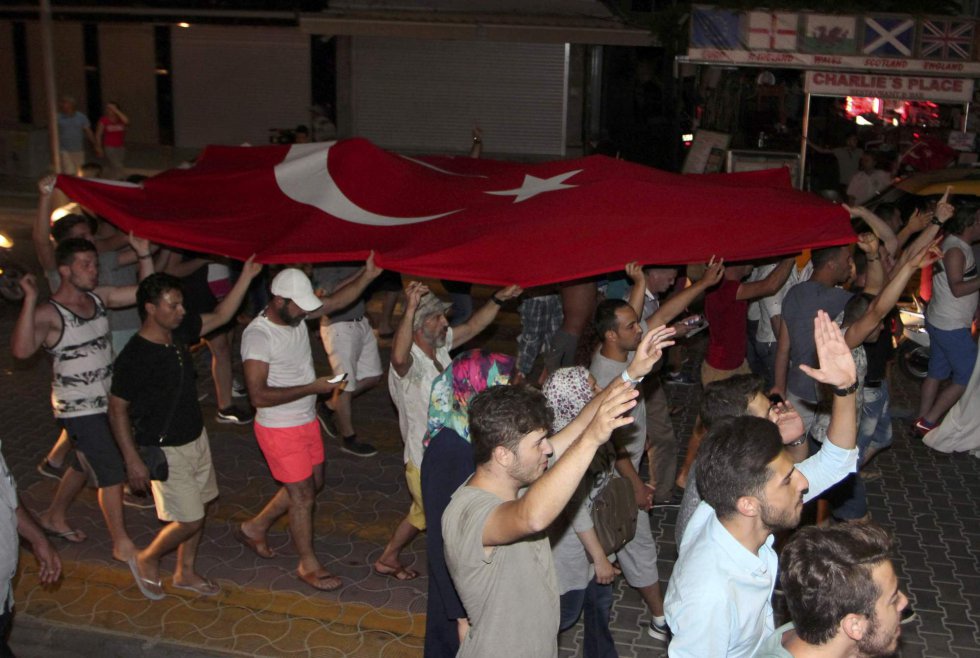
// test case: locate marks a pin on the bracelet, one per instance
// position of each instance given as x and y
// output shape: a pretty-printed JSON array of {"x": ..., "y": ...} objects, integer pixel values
[
  {"x": 144, "y": 256},
  {"x": 477, "y": 140},
  {"x": 844, "y": 392},
  {"x": 800, "y": 441},
  {"x": 870, "y": 259},
  {"x": 629, "y": 380},
  {"x": 936, "y": 221},
  {"x": 493, "y": 298}
]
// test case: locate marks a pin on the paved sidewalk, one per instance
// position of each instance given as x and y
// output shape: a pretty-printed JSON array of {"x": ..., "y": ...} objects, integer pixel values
[{"x": 928, "y": 499}]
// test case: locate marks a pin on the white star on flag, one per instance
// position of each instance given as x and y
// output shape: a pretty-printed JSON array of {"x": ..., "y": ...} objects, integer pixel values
[{"x": 533, "y": 186}]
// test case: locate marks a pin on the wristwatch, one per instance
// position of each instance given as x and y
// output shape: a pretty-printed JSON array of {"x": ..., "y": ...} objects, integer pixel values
[
  {"x": 935, "y": 220},
  {"x": 844, "y": 392}
]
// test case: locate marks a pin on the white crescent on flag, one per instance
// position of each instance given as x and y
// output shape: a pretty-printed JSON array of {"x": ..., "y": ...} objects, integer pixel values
[{"x": 304, "y": 176}]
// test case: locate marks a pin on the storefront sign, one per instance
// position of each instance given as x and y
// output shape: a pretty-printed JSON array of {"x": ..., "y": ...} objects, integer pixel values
[
  {"x": 830, "y": 62},
  {"x": 878, "y": 85}
]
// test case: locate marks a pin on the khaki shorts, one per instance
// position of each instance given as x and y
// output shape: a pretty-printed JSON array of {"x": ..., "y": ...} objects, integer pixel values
[
  {"x": 416, "y": 513},
  {"x": 710, "y": 374},
  {"x": 352, "y": 348},
  {"x": 191, "y": 484}
]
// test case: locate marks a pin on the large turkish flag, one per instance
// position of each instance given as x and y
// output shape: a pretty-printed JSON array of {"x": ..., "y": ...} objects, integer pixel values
[{"x": 482, "y": 221}]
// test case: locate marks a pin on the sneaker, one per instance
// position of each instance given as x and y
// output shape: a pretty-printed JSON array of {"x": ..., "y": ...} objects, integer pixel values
[
  {"x": 238, "y": 389},
  {"x": 921, "y": 427},
  {"x": 658, "y": 631},
  {"x": 236, "y": 415},
  {"x": 48, "y": 470},
  {"x": 357, "y": 448},
  {"x": 908, "y": 614},
  {"x": 328, "y": 420},
  {"x": 679, "y": 378}
]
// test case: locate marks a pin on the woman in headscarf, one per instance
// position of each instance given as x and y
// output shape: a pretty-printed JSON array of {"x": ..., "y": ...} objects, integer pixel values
[
  {"x": 573, "y": 538},
  {"x": 447, "y": 463}
]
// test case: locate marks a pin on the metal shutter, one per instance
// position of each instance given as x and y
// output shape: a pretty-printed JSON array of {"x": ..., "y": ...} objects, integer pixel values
[
  {"x": 231, "y": 84},
  {"x": 126, "y": 68},
  {"x": 425, "y": 95}
]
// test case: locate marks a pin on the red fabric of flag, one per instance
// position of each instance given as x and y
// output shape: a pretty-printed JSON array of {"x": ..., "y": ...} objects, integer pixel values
[{"x": 483, "y": 221}]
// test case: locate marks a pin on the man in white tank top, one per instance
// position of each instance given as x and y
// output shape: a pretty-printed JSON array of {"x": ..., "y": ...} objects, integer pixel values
[{"x": 74, "y": 328}]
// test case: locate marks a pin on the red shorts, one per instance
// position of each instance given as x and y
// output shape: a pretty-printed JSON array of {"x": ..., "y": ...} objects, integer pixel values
[{"x": 291, "y": 452}]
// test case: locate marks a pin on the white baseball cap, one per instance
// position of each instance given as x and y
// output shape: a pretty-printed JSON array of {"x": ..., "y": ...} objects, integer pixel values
[{"x": 295, "y": 285}]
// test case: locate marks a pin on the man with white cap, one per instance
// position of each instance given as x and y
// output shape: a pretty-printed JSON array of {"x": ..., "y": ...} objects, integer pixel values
[
  {"x": 283, "y": 386},
  {"x": 419, "y": 352}
]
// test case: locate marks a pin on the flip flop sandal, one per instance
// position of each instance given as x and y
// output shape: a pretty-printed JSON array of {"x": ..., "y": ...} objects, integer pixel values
[
  {"x": 73, "y": 536},
  {"x": 398, "y": 573},
  {"x": 144, "y": 584},
  {"x": 207, "y": 588},
  {"x": 257, "y": 546}
]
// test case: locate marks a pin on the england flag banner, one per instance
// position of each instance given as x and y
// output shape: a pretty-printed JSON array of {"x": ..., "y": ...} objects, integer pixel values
[{"x": 477, "y": 220}]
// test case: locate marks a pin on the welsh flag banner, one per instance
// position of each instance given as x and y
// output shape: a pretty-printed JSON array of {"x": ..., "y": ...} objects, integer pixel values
[{"x": 482, "y": 221}]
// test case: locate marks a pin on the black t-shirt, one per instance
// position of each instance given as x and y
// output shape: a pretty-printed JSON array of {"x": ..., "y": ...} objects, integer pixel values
[
  {"x": 148, "y": 375},
  {"x": 879, "y": 352}
]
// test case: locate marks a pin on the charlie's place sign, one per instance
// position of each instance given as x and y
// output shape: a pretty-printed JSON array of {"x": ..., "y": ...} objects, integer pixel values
[{"x": 825, "y": 83}]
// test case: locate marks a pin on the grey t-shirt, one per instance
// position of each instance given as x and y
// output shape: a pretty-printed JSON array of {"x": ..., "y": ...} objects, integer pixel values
[
  {"x": 799, "y": 308},
  {"x": 632, "y": 437},
  {"x": 327, "y": 277},
  {"x": 511, "y": 594}
]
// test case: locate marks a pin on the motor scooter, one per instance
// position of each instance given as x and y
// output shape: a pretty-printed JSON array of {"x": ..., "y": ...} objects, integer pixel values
[
  {"x": 10, "y": 272},
  {"x": 913, "y": 344}
]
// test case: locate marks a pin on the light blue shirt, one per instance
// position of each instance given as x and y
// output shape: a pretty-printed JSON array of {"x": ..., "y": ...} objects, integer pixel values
[
  {"x": 718, "y": 599},
  {"x": 71, "y": 131}
]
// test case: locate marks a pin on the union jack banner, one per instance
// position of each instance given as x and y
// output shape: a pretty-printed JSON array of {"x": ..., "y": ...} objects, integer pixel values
[
  {"x": 947, "y": 39},
  {"x": 772, "y": 31}
]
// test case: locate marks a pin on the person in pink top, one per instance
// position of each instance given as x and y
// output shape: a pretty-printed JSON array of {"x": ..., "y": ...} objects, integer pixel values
[{"x": 110, "y": 138}]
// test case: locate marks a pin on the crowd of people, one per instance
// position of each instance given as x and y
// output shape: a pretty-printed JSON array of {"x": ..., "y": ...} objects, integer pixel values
[{"x": 505, "y": 469}]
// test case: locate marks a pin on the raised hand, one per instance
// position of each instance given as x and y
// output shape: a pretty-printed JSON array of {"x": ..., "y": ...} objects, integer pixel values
[
  {"x": 615, "y": 401},
  {"x": 370, "y": 269},
  {"x": 46, "y": 185},
  {"x": 919, "y": 220},
  {"x": 140, "y": 245},
  {"x": 944, "y": 209},
  {"x": 788, "y": 420},
  {"x": 413, "y": 294},
  {"x": 250, "y": 268},
  {"x": 836, "y": 363},
  {"x": 928, "y": 255},
  {"x": 649, "y": 351},
  {"x": 510, "y": 292},
  {"x": 634, "y": 271},
  {"x": 28, "y": 283},
  {"x": 868, "y": 243},
  {"x": 714, "y": 273}
]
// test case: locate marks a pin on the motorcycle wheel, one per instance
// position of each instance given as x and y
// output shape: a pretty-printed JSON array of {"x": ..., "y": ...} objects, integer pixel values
[
  {"x": 913, "y": 360},
  {"x": 10, "y": 288}
]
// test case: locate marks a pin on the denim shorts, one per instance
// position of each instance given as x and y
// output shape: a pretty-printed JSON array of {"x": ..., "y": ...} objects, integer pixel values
[{"x": 951, "y": 353}]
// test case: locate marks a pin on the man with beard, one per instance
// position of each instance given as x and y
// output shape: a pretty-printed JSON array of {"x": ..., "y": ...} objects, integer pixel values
[
  {"x": 283, "y": 386},
  {"x": 497, "y": 551},
  {"x": 718, "y": 599},
  {"x": 842, "y": 594},
  {"x": 419, "y": 352},
  {"x": 74, "y": 329}
]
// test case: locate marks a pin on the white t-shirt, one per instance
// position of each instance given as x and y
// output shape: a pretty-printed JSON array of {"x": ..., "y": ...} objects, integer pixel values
[
  {"x": 864, "y": 187},
  {"x": 947, "y": 311},
  {"x": 411, "y": 395},
  {"x": 287, "y": 351},
  {"x": 772, "y": 306}
]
